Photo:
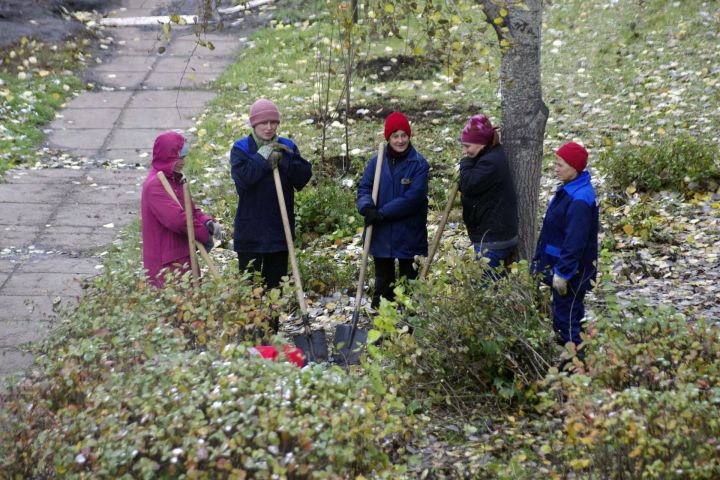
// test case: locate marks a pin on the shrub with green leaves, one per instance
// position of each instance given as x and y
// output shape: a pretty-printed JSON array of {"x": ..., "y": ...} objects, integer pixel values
[
  {"x": 326, "y": 208},
  {"x": 158, "y": 383},
  {"x": 214, "y": 414},
  {"x": 472, "y": 340},
  {"x": 647, "y": 405},
  {"x": 669, "y": 165},
  {"x": 324, "y": 273}
]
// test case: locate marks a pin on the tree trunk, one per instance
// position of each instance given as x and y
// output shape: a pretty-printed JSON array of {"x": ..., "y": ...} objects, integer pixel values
[{"x": 524, "y": 113}]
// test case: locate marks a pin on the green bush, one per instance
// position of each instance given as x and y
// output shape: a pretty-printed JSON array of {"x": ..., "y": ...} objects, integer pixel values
[
  {"x": 472, "y": 340},
  {"x": 324, "y": 272},
  {"x": 146, "y": 383},
  {"x": 647, "y": 405},
  {"x": 210, "y": 414},
  {"x": 670, "y": 165},
  {"x": 326, "y": 208}
]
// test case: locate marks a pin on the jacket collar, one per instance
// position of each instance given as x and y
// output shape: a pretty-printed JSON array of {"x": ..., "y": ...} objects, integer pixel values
[{"x": 581, "y": 181}]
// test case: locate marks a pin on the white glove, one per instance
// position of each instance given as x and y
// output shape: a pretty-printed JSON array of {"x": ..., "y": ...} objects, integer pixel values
[
  {"x": 559, "y": 284},
  {"x": 265, "y": 151}
]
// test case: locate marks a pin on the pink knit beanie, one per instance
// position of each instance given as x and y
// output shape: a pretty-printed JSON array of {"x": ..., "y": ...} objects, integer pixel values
[
  {"x": 478, "y": 130},
  {"x": 263, "y": 111}
]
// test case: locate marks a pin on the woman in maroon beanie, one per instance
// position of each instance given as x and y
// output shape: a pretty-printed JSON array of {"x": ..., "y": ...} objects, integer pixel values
[
  {"x": 400, "y": 215},
  {"x": 488, "y": 194}
]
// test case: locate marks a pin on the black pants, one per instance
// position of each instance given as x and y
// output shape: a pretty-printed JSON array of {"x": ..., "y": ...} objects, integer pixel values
[
  {"x": 385, "y": 277},
  {"x": 272, "y": 266}
]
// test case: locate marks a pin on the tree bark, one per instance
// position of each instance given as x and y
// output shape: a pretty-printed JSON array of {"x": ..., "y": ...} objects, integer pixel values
[{"x": 524, "y": 113}]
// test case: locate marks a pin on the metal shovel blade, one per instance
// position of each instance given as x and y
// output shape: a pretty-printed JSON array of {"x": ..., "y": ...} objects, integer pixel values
[
  {"x": 313, "y": 346},
  {"x": 349, "y": 354}
]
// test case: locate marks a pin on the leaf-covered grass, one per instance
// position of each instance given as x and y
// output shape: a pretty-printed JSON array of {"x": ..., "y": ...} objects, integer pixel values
[{"x": 35, "y": 81}]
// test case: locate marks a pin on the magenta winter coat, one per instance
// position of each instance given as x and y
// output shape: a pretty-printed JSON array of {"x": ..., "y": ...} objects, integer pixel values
[{"x": 164, "y": 228}]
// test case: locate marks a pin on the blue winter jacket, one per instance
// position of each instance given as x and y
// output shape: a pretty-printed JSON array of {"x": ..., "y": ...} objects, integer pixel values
[
  {"x": 402, "y": 200},
  {"x": 568, "y": 243},
  {"x": 258, "y": 224}
]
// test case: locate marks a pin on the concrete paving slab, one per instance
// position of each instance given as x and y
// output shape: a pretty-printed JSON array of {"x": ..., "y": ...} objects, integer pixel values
[
  {"x": 169, "y": 80},
  {"x": 191, "y": 64},
  {"x": 55, "y": 176},
  {"x": 8, "y": 261},
  {"x": 18, "y": 332},
  {"x": 24, "y": 213},
  {"x": 45, "y": 284},
  {"x": 185, "y": 47},
  {"x": 106, "y": 194},
  {"x": 169, "y": 118},
  {"x": 46, "y": 193},
  {"x": 29, "y": 308},
  {"x": 130, "y": 12},
  {"x": 170, "y": 98},
  {"x": 130, "y": 80},
  {"x": 58, "y": 263},
  {"x": 99, "y": 99},
  {"x": 86, "y": 138},
  {"x": 12, "y": 362},
  {"x": 76, "y": 238},
  {"x": 133, "y": 138},
  {"x": 17, "y": 236},
  {"x": 124, "y": 63},
  {"x": 86, "y": 118},
  {"x": 129, "y": 156},
  {"x": 114, "y": 177},
  {"x": 84, "y": 215},
  {"x": 4, "y": 276}
]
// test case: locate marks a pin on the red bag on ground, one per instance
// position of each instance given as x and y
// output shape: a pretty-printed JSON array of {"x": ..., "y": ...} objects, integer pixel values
[{"x": 291, "y": 354}]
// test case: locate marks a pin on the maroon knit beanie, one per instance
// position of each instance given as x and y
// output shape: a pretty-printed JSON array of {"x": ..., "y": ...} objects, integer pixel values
[
  {"x": 397, "y": 121},
  {"x": 574, "y": 155},
  {"x": 263, "y": 111},
  {"x": 478, "y": 130}
]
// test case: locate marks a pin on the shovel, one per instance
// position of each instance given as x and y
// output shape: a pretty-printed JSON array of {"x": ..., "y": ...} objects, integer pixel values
[
  {"x": 313, "y": 344},
  {"x": 441, "y": 227},
  {"x": 346, "y": 336}
]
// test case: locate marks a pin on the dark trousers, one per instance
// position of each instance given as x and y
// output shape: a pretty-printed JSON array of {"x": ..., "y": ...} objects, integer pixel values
[
  {"x": 567, "y": 312},
  {"x": 272, "y": 266},
  {"x": 385, "y": 277}
]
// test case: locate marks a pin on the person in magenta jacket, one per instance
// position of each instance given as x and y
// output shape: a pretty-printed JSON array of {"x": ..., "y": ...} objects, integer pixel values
[{"x": 164, "y": 227}]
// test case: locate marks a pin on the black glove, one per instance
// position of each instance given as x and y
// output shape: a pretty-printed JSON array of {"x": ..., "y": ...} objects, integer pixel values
[
  {"x": 209, "y": 244},
  {"x": 215, "y": 230},
  {"x": 372, "y": 216}
]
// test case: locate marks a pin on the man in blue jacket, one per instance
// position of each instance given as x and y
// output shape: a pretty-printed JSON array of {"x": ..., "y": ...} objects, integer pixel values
[
  {"x": 259, "y": 238},
  {"x": 400, "y": 215},
  {"x": 567, "y": 250}
]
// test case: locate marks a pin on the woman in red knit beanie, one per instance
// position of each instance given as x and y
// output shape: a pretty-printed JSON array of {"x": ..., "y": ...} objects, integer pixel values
[
  {"x": 567, "y": 250},
  {"x": 400, "y": 215}
]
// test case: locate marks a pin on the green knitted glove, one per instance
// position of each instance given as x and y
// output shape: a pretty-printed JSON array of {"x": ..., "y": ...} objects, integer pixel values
[{"x": 265, "y": 151}]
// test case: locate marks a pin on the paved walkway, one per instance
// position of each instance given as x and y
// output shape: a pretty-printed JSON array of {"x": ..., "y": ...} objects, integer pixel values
[{"x": 54, "y": 222}]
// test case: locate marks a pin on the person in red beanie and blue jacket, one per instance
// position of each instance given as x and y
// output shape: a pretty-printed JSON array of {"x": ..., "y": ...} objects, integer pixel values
[
  {"x": 399, "y": 218},
  {"x": 567, "y": 250}
]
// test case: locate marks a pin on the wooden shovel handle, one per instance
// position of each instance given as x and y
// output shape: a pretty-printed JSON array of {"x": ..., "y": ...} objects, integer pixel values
[
  {"x": 369, "y": 228},
  {"x": 289, "y": 241},
  {"x": 441, "y": 227},
  {"x": 190, "y": 232}
]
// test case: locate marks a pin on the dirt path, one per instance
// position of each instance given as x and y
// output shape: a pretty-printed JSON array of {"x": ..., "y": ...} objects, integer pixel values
[{"x": 56, "y": 221}]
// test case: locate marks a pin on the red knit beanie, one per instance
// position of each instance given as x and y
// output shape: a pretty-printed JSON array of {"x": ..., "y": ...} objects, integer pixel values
[
  {"x": 478, "y": 130},
  {"x": 574, "y": 155},
  {"x": 263, "y": 111},
  {"x": 397, "y": 121}
]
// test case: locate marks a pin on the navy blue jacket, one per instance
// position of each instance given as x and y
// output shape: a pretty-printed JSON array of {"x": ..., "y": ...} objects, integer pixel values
[
  {"x": 488, "y": 197},
  {"x": 568, "y": 243},
  {"x": 258, "y": 224},
  {"x": 402, "y": 200}
]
